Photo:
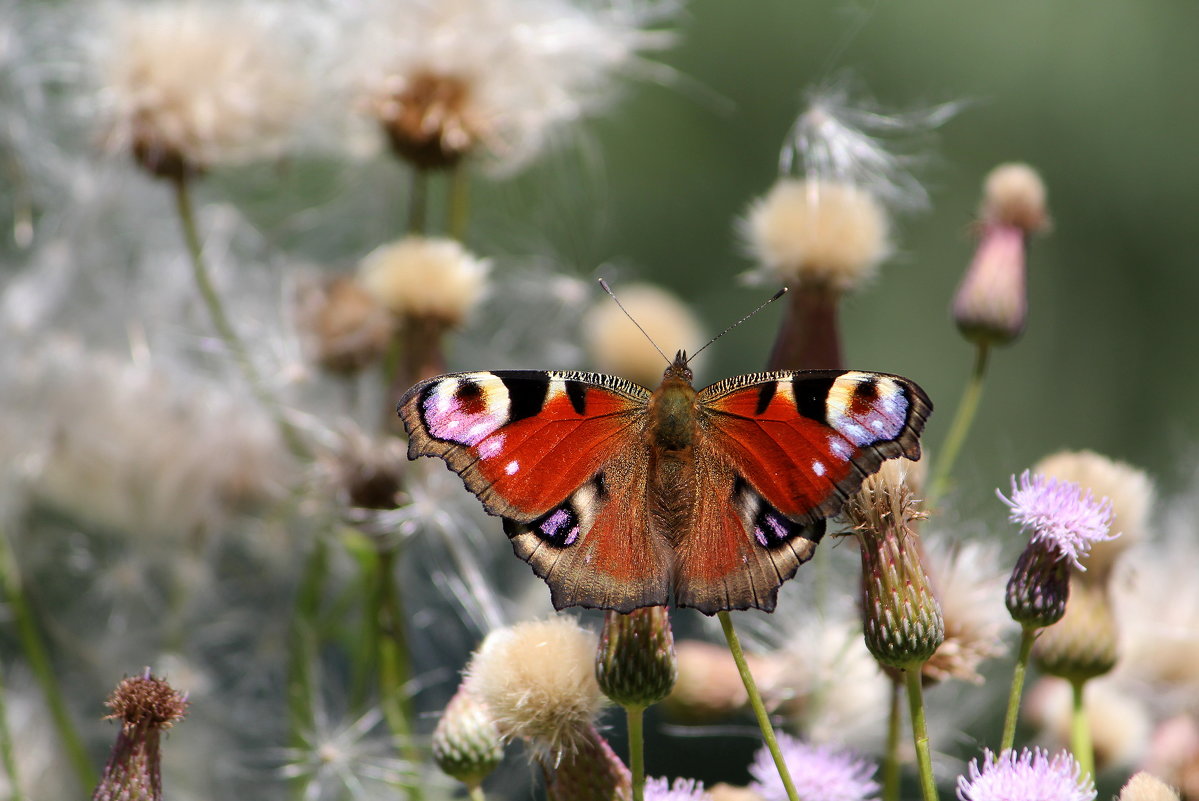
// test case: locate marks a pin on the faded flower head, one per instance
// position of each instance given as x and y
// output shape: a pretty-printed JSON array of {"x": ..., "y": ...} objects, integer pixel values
[
  {"x": 1027, "y": 776},
  {"x": 617, "y": 346},
  {"x": 189, "y": 85},
  {"x": 1061, "y": 516},
  {"x": 1014, "y": 194},
  {"x": 426, "y": 278},
  {"x": 146, "y": 707},
  {"x": 968, "y": 587},
  {"x": 538, "y": 679},
  {"x": 661, "y": 789},
  {"x": 144, "y": 702},
  {"x": 1147, "y": 787},
  {"x": 346, "y": 329},
  {"x": 820, "y": 773},
  {"x": 819, "y": 234},
  {"x": 444, "y": 79}
]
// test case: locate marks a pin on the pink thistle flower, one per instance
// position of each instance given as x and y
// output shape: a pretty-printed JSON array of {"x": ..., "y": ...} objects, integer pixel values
[
  {"x": 1027, "y": 776},
  {"x": 819, "y": 771},
  {"x": 1061, "y": 515},
  {"x": 680, "y": 790}
]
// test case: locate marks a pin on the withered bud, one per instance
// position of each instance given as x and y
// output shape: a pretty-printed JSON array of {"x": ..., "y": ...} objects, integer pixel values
[{"x": 145, "y": 707}]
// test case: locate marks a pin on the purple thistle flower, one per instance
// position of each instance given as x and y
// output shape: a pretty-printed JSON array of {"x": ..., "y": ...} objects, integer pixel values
[
  {"x": 681, "y": 790},
  {"x": 1061, "y": 515},
  {"x": 820, "y": 773},
  {"x": 1028, "y": 776}
]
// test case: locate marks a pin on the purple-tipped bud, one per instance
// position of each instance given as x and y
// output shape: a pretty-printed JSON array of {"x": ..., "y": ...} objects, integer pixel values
[
  {"x": 635, "y": 663},
  {"x": 1039, "y": 587},
  {"x": 146, "y": 707},
  {"x": 1085, "y": 642},
  {"x": 590, "y": 771},
  {"x": 466, "y": 743}
]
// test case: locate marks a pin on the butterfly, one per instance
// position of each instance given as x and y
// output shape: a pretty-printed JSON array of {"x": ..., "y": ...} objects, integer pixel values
[{"x": 619, "y": 497}]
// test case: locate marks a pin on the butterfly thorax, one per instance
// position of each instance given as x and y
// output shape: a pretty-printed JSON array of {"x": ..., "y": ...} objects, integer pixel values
[{"x": 672, "y": 409}]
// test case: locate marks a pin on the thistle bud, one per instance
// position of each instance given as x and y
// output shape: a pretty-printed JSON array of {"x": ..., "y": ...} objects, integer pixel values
[
  {"x": 590, "y": 771},
  {"x": 1084, "y": 643},
  {"x": 146, "y": 707},
  {"x": 1039, "y": 587},
  {"x": 466, "y": 743},
  {"x": 635, "y": 663},
  {"x": 901, "y": 617}
]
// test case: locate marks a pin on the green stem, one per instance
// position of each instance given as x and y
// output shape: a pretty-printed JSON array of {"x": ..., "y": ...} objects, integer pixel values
[
  {"x": 1027, "y": 637},
  {"x": 1080, "y": 731},
  {"x": 891, "y": 757},
  {"x": 967, "y": 408},
  {"x": 755, "y": 701},
  {"x": 924, "y": 760},
  {"x": 224, "y": 328},
  {"x": 476, "y": 793},
  {"x": 636, "y": 718},
  {"x": 6, "y": 751},
  {"x": 459, "y": 211},
  {"x": 395, "y": 670},
  {"x": 301, "y": 682},
  {"x": 418, "y": 201},
  {"x": 39, "y": 662}
]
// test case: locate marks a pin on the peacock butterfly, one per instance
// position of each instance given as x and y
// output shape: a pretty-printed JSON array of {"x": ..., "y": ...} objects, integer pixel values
[{"x": 621, "y": 498}]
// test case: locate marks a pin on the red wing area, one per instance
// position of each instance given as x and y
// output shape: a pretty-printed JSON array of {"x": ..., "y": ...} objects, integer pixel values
[
  {"x": 805, "y": 440},
  {"x": 523, "y": 441},
  {"x": 594, "y": 549}
]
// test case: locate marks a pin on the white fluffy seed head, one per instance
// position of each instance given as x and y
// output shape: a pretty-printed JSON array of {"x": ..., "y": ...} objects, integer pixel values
[
  {"x": 426, "y": 277},
  {"x": 1014, "y": 194},
  {"x": 615, "y": 344},
  {"x": 538, "y": 679},
  {"x": 819, "y": 233},
  {"x": 187, "y": 86},
  {"x": 1147, "y": 787}
]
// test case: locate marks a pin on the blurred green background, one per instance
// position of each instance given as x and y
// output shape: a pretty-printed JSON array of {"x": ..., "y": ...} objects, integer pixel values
[{"x": 1099, "y": 96}]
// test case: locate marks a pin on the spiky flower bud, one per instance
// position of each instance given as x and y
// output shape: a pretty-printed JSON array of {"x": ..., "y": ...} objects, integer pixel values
[
  {"x": 1147, "y": 787},
  {"x": 589, "y": 771},
  {"x": 1084, "y": 643},
  {"x": 901, "y": 617},
  {"x": 467, "y": 743},
  {"x": 635, "y": 663},
  {"x": 146, "y": 707},
  {"x": 1039, "y": 587}
]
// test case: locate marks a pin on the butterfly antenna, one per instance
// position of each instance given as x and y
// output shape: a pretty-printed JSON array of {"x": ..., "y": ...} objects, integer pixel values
[
  {"x": 608, "y": 289},
  {"x": 773, "y": 298}
]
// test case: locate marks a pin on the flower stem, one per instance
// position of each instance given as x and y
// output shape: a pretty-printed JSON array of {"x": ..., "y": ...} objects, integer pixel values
[
  {"x": 964, "y": 418},
  {"x": 476, "y": 793},
  {"x": 395, "y": 672},
  {"x": 1027, "y": 637},
  {"x": 755, "y": 701},
  {"x": 924, "y": 761},
  {"x": 1080, "y": 731},
  {"x": 6, "y": 751},
  {"x": 459, "y": 211},
  {"x": 224, "y": 328},
  {"x": 303, "y": 656},
  {"x": 418, "y": 201},
  {"x": 891, "y": 756},
  {"x": 636, "y": 717},
  {"x": 39, "y": 662}
]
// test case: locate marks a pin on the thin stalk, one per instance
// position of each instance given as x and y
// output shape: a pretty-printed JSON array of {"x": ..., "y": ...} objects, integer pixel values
[
  {"x": 303, "y": 656},
  {"x": 6, "y": 751},
  {"x": 755, "y": 701},
  {"x": 459, "y": 197},
  {"x": 962, "y": 421},
  {"x": 1027, "y": 637},
  {"x": 924, "y": 760},
  {"x": 476, "y": 793},
  {"x": 891, "y": 756},
  {"x": 39, "y": 662},
  {"x": 395, "y": 669},
  {"x": 224, "y": 328},
  {"x": 418, "y": 201},
  {"x": 1080, "y": 731},
  {"x": 636, "y": 718}
]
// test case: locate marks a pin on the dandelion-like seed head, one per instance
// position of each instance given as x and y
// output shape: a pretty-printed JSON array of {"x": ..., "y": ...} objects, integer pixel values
[
  {"x": 1014, "y": 194},
  {"x": 729, "y": 792},
  {"x": 1060, "y": 514},
  {"x": 617, "y": 346},
  {"x": 1145, "y": 786},
  {"x": 188, "y": 85},
  {"x": 426, "y": 278},
  {"x": 146, "y": 702},
  {"x": 538, "y": 679},
  {"x": 662, "y": 789},
  {"x": 818, "y": 771},
  {"x": 1027, "y": 776},
  {"x": 967, "y": 587}
]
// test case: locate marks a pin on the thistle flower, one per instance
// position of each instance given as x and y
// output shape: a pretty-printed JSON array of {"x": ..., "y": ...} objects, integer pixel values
[
  {"x": 635, "y": 663},
  {"x": 1129, "y": 490},
  {"x": 146, "y": 707},
  {"x": 661, "y": 789},
  {"x": 466, "y": 742},
  {"x": 188, "y": 86},
  {"x": 1028, "y": 776},
  {"x": 346, "y": 328},
  {"x": 444, "y": 80},
  {"x": 538, "y": 679},
  {"x": 617, "y": 346},
  {"x": 901, "y": 618},
  {"x": 991, "y": 302},
  {"x": 1064, "y": 522},
  {"x": 820, "y": 773},
  {"x": 1147, "y": 787}
]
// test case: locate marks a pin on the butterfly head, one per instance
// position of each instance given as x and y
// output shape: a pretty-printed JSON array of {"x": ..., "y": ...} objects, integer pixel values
[{"x": 678, "y": 369}]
